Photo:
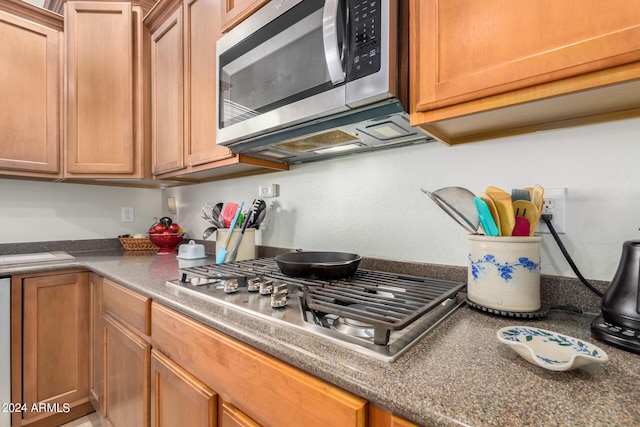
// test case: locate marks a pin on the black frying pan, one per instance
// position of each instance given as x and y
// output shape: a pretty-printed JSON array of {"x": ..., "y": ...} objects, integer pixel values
[{"x": 318, "y": 265}]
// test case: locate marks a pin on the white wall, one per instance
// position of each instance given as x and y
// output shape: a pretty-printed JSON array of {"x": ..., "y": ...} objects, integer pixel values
[
  {"x": 371, "y": 203},
  {"x": 43, "y": 211}
]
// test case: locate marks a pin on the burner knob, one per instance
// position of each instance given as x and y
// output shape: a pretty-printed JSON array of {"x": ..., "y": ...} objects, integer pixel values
[
  {"x": 266, "y": 287},
  {"x": 231, "y": 286},
  {"x": 279, "y": 296},
  {"x": 253, "y": 285}
]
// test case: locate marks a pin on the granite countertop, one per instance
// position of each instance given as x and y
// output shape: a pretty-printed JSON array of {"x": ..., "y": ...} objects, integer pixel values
[{"x": 459, "y": 374}]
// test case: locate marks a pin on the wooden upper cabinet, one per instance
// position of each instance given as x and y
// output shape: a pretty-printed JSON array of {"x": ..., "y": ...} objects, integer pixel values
[
  {"x": 30, "y": 90},
  {"x": 469, "y": 56},
  {"x": 105, "y": 91},
  {"x": 235, "y": 11},
  {"x": 167, "y": 79},
  {"x": 201, "y": 31},
  {"x": 183, "y": 76}
]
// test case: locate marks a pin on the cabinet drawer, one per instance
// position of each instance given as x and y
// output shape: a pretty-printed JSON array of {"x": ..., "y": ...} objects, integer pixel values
[
  {"x": 247, "y": 376},
  {"x": 128, "y": 306}
]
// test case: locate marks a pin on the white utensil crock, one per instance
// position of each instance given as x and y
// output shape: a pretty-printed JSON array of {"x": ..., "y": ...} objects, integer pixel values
[
  {"x": 247, "y": 249},
  {"x": 504, "y": 272}
]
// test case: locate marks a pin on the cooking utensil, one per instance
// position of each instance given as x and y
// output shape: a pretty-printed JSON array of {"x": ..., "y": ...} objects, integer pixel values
[
  {"x": 248, "y": 218},
  {"x": 492, "y": 208},
  {"x": 486, "y": 220},
  {"x": 222, "y": 252},
  {"x": 318, "y": 265},
  {"x": 229, "y": 213},
  {"x": 522, "y": 226},
  {"x": 260, "y": 211},
  {"x": 528, "y": 210},
  {"x": 537, "y": 197},
  {"x": 504, "y": 206},
  {"x": 458, "y": 203},
  {"x": 208, "y": 232},
  {"x": 520, "y": 194},
  {"x": 216, "y": 211}
]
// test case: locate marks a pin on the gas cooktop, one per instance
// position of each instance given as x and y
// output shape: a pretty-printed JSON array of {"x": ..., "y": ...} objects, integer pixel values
[{"x": 375, "y": 313}]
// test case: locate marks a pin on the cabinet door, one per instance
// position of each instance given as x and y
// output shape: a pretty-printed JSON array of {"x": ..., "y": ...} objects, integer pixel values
[
  {"x": 30, "y": 91},
  {"x": 126, "y": 376},
  {"x": 246, "y": 375},
  {"x": 100, "y": 88},
  {"x": 469, "y": 50},
  {"x": 201, "y": 31},
  {"x": 96, "y": 360},
  {"x": 178, "y": 398},
  {"x": 233, "y": 417},
  {"x": 167, "y": 79},
  {"x": 55, "y": 340},
  {"x": 235, "y": 11}
]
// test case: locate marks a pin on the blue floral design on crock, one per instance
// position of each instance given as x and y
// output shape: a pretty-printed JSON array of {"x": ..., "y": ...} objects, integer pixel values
[
  {"x": 505, "y": 270},
  {"x": 576, "y": 345}
]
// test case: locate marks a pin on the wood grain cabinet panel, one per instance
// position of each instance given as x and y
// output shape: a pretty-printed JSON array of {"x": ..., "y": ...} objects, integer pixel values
[
  {"x": 233, "y": 417},
  {"x": 178, "y": 398},
  {"x": 470, "y": 57},
  {"x": 50, "y": 347},
  {"x": 126, "y": 376},
  {"x": 265, "y": 389},
  {"x": 167, "y": 80},
  {"x": 201, "y": 31},
  {"x": 476, "y": 49},
  {"x": 235, "y": 11},
  {"x": 96, "y": 359},
  {"x": 106, "y": 133},
  {"x": 130, "y": 308},
  {"x": 30, "y": 96}
]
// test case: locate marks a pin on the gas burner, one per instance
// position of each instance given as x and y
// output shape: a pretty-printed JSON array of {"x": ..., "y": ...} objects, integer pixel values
[
  {"x": 376, "y": 313},
  {"x": 354, "y": 328}
]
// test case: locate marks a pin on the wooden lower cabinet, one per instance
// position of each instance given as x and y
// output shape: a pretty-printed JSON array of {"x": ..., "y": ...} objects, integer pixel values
[
  {"x": 126, "y": 376},
  {"x": 50, "y": 347},
  {"x": 178, "y": 398},
  {"x": 267, "y": 391},
  {"x": 96, "y": 367},
  {"x": 233, "y": 417}
]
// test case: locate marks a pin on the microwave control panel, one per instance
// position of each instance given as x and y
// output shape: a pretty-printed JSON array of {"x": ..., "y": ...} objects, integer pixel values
[{"x": 365, "y": 38}]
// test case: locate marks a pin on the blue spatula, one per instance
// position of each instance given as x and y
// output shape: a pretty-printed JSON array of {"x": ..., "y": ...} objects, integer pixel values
[
  {"x": 222, "y": 252},
  {"x": 486, "y": 220}
]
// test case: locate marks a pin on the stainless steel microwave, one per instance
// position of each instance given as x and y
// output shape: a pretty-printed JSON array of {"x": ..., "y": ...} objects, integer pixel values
[{"x": 301, "y": 80}]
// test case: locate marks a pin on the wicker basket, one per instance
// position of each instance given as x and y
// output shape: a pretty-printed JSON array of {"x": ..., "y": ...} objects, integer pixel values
[{"x": 133, "y": 244}]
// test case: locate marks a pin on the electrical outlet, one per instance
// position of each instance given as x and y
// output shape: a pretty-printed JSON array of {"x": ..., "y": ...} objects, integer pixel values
[
  {"x": 127, "y": 215},
  {"x": 555, "y": 203},
  {"x": 265, "y": 191}
]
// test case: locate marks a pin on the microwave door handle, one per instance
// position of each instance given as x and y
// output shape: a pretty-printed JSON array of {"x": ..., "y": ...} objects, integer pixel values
[{"x": 330, "y": 40}]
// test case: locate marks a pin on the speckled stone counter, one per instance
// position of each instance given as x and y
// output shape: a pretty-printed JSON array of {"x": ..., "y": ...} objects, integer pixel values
[{"x": 459, "y": 374}]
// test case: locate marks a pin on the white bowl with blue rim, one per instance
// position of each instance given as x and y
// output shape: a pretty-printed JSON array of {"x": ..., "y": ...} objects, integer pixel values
[{"x": 551, "y": 350}]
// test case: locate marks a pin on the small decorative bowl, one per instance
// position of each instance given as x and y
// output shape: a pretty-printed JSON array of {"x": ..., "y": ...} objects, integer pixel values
[
  {"x": 551, "y": 350},
  {"x": 166, "y": 242}
]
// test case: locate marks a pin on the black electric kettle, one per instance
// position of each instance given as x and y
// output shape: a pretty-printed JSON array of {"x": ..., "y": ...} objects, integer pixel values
[{"x": 619, "y": 323}]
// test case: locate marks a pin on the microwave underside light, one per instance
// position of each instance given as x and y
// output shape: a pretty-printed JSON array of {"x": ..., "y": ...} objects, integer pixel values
[{"x": 317, "y": 142}]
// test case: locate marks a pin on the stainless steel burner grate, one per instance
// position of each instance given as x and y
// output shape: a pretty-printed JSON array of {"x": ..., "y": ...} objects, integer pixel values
[{"x": 385, "y": 301}]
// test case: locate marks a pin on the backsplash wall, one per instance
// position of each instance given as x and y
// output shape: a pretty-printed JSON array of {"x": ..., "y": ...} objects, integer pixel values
[{"x": 371, "y": 203}]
